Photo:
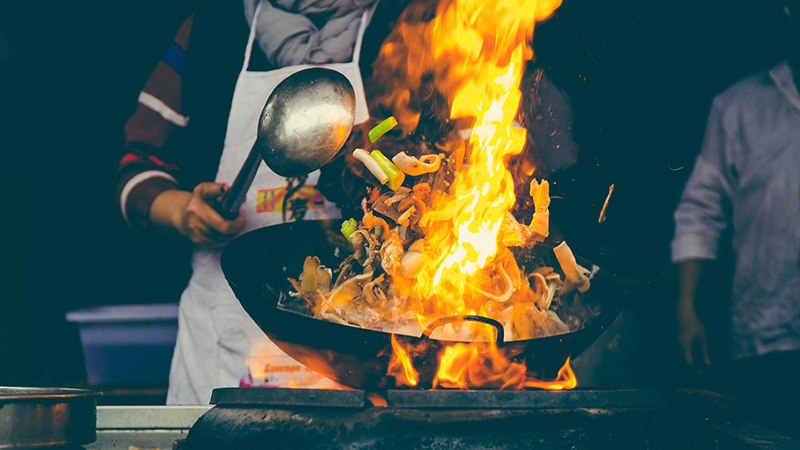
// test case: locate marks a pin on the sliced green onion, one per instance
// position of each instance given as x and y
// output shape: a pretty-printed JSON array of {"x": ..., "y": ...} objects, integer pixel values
[
  {"x": 396, "y": 176},
  {"x": 349, "y": 227},
  {"x": 382, "y": 128}
]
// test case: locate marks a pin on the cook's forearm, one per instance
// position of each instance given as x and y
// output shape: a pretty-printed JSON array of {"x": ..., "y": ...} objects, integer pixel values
[{"x": 165, "y": 210}]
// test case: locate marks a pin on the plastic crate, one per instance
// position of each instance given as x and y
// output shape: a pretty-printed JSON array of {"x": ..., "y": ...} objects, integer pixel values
[{"x": 127, "y": 344}]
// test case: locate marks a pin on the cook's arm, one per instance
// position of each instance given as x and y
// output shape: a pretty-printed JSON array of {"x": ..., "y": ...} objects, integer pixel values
[
  {"x": 191, "y": 214},
  {"x": 148, "y": 190},
  {"x": 701, "y": 217}
]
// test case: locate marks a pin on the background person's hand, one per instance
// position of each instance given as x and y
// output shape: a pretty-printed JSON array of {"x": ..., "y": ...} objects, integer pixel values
[
  {"x": 692, "y": 338},
  {"x": 192, "y": 214}
]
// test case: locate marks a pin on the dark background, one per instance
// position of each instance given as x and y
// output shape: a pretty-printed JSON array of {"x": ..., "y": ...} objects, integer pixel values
[{"x": 640, "y": 74}]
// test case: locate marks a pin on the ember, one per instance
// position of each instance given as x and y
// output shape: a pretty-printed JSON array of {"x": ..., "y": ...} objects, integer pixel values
[{"x": 445, "y": 250}]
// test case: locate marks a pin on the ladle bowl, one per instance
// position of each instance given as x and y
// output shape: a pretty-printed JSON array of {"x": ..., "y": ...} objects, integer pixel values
[{"x": 306, "y": 120}]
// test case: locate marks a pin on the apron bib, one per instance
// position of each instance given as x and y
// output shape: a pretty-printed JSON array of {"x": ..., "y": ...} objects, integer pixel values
[{"x": 218, "y": 344}]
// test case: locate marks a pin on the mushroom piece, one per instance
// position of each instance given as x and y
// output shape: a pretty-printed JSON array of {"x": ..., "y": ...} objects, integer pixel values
[
  {"x": 369, "y": 291},
  {"x": 308, "y": 279},
  {"x": 360, "y": 241},
  {"x": 345, "y": 270},
  {"x": 392, "y": 253}
]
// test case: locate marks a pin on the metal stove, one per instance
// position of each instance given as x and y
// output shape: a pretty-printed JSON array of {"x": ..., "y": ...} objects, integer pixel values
[{"x": 619, "y": 419}]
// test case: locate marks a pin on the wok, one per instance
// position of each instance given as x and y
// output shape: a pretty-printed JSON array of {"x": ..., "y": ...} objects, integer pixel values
[{"x": 258, "y": 264}]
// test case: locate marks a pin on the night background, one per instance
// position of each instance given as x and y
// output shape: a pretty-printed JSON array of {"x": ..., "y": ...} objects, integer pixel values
[{"x": 640, "y": 76}]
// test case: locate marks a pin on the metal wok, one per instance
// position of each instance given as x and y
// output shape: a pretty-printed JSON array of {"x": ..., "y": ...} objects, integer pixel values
[{"x": 258, "y": 264}]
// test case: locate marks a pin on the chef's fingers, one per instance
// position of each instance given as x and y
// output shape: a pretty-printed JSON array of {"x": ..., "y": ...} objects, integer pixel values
[
  {"x": 205, "y": 236},
  {"x": 219, "y": 226},
  {"x": 211, "y": 191}
]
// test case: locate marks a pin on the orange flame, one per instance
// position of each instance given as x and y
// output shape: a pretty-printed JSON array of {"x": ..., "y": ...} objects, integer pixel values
[
  {"x": 401, "y": 367},
  {"x": 565, "y": 380},
  {"x": 474, "y": 53},
  {"x": 476, "y": 50},
  {"x": 466, "y": 366}
]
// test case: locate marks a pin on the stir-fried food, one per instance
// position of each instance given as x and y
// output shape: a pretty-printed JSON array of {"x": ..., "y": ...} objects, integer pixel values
[{"x": 377, "y": 286}]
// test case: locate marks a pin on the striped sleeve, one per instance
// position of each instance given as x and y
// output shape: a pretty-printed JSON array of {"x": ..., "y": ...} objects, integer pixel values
[{"x": 147, "y": 167}]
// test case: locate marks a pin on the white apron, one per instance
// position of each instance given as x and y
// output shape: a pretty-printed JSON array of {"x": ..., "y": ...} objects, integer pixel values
[{"x": 218, "y": 344}]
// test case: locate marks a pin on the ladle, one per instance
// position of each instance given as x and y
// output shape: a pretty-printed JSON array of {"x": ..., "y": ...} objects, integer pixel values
[{"x": 306, "y": 120}]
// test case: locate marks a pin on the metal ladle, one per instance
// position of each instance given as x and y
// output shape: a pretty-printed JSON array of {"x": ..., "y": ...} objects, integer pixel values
[{"x": 305, "y": 122}]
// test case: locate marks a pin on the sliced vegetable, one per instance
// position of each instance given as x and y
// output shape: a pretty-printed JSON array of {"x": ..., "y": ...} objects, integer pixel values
[
  {"x": 575, "y": 275},
  {"x": 396, "y": 176},
  {"x": 372, "y": 165},
  {"x": 382, "y": 128},
  {"x": 414, "y": 166},
  {"x": 349, "y": 227}
]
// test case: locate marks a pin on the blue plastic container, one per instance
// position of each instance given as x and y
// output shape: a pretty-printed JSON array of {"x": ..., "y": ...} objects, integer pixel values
[{"x": 127, "y": 344}]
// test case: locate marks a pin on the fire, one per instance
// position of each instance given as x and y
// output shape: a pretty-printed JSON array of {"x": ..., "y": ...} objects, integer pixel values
[
  {"x": 475, "y": 50},
  {"x": 464, "y": 366},
  {"x": 474, "y": 53},
  {"x": 401, "y": 366},
  {"x": 565, "y": 380}
]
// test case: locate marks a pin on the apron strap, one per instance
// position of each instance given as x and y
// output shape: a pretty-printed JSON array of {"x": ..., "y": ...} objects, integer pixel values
[
  {"x": 360, "y": 36},
  {"x": 250, "y": 39}
]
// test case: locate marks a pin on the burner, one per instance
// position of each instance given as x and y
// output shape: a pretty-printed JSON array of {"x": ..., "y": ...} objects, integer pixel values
[{"x": 325, "y": 419}]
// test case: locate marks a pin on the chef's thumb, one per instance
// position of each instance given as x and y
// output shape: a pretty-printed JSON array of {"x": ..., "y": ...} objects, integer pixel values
[{"x": 211, "y": 191}]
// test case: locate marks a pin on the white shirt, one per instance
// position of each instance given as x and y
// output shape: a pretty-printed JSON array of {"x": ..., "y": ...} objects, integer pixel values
[{"x": 748, "y": 175}]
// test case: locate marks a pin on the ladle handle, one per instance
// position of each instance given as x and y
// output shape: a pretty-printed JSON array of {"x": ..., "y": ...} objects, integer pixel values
[
  {"x": 228, "y": 208},
  {"x": 499, "y": 337}
]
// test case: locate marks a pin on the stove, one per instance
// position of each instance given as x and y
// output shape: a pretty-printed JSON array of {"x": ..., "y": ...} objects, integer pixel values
[{"x": 581, "y": 418}]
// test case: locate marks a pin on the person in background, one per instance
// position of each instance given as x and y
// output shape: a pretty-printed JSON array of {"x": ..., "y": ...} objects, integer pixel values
[
  {"x": 197, "y": 115},
  {"x": 748, "y": 176}
]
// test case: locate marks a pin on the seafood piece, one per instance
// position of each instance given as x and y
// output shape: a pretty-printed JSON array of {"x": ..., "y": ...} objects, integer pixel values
[
  {"x": 415, "y": 167},
  {"x": 411, "y": 264}
]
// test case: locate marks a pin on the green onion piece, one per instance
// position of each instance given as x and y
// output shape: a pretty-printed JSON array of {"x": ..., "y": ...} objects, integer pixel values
[
  {"x": 382, "y": 128},
  {"x": 396, "y": 176},
  {"x": 349, "y": 227}
]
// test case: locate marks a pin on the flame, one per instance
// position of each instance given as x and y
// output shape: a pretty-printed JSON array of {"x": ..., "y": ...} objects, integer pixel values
[
  {"x": 401, "y": 366},
  {"x": 377, "y": 400},
  {"x": 565, "y": 380},
  {"x": 473, "y": 53},
  {"x": 467, "y": 366}
]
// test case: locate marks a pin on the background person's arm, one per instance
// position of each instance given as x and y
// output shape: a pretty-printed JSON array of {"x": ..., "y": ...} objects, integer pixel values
[
  {"x": 703, "y": 213},
  {"x": 691, "y": 333}
]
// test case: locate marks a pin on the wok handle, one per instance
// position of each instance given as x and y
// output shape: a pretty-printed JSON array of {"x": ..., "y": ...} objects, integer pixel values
[{"x": 499, "y": 337}]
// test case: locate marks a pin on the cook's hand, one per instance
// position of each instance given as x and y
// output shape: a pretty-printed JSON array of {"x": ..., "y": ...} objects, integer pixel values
[
  {"x": 691, "y": 333},
  {"x": 192, "y": 214}
]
